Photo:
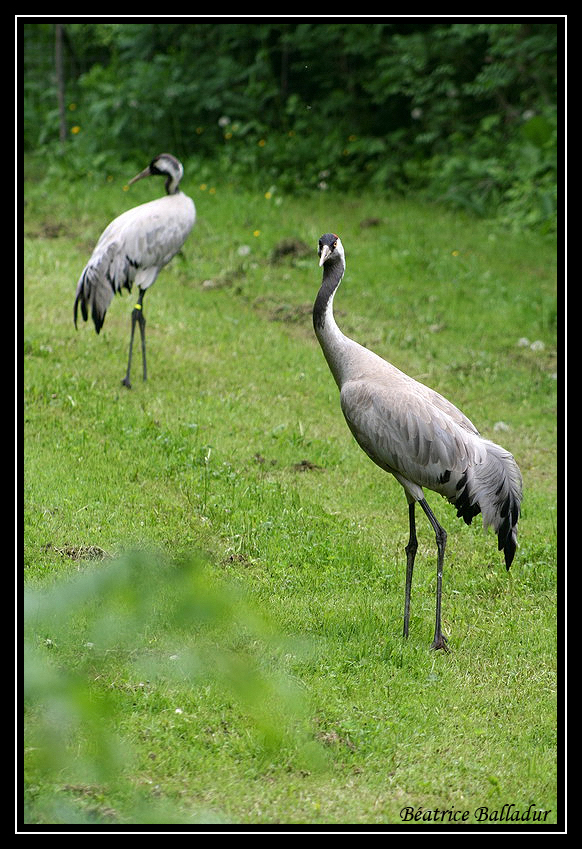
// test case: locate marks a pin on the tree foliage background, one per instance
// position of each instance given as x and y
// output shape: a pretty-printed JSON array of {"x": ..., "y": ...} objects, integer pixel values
[{"x": 465, "y": 113}]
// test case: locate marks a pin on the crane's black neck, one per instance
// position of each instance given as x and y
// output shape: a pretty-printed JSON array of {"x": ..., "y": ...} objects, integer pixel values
[
  {"x": 332, "y": 277},
  {"x": 172, "y": 187}
]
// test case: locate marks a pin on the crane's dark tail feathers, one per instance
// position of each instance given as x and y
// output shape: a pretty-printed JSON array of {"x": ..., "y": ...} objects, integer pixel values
[
  {"x": 91, "y": 294},
  {"x": 494, "y": 488},
  {"x": 80, "y": 300}
]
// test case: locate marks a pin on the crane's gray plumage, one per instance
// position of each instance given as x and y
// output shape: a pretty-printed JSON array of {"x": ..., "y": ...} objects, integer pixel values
[
  {"x": 135, "y": 247},
  {"x": 414, "y": 433}
]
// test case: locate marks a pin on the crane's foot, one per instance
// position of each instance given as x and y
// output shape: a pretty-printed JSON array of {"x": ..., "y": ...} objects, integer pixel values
[
  {"x": 440, "y": 642},
  {"x": 125, "y": 382}
]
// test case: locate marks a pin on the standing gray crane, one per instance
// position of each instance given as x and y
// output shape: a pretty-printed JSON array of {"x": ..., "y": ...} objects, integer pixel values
[
  {"x": 417, "y": 435},
  {"x": 134, "y": 248}
]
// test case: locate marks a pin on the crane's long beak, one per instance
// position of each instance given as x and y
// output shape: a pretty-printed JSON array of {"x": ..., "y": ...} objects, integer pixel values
[
  {"x": 145, "y": 173},
  {"x": 325, "y": 252}
]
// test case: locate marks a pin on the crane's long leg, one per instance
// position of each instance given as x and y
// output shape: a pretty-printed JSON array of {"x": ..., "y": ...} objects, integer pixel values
[
  {"x": 142, "y": 324},
  {"x": 439, "y": 641},
  {"x": 137, "y": 316},
  {"x": 410, "y": 555}
]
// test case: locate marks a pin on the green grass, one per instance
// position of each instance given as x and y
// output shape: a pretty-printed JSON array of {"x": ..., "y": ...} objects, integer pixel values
[{"x": 236, "y": 447}]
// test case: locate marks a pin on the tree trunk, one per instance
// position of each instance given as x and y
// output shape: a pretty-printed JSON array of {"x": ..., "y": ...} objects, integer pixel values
[{"x": 60, "y": 81}]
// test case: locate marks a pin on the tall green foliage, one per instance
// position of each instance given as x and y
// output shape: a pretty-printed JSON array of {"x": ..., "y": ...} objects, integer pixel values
[{"x": 465, "y": 112}]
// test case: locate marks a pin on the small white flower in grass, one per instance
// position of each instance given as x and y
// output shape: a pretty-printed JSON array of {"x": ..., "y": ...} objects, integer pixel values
[
  {"x": 524, "y": 342},
  {"x": 501, "y": 426},
  {"x": 178, "y": 710},
  {"x": 244, "y": 250}
]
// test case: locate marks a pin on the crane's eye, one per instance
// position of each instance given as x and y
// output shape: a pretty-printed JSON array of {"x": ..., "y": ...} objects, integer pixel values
[{"x": 334, "y": 246}]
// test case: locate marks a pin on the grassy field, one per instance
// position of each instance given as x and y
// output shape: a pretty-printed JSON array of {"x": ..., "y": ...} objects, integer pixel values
[{"x": 215, "y": 571}]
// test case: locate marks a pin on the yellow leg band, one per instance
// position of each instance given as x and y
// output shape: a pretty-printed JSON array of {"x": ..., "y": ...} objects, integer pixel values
[{"x": 137, "y": 307}]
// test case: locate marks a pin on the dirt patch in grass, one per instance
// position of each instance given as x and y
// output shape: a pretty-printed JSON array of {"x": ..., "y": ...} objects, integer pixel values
[{"x": 81, "y": 552}]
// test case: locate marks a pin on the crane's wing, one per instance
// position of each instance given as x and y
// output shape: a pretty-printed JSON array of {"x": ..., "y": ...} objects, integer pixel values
[
  {"x": 411, "y": 431},
  {"x": 148, "y": 235}
]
